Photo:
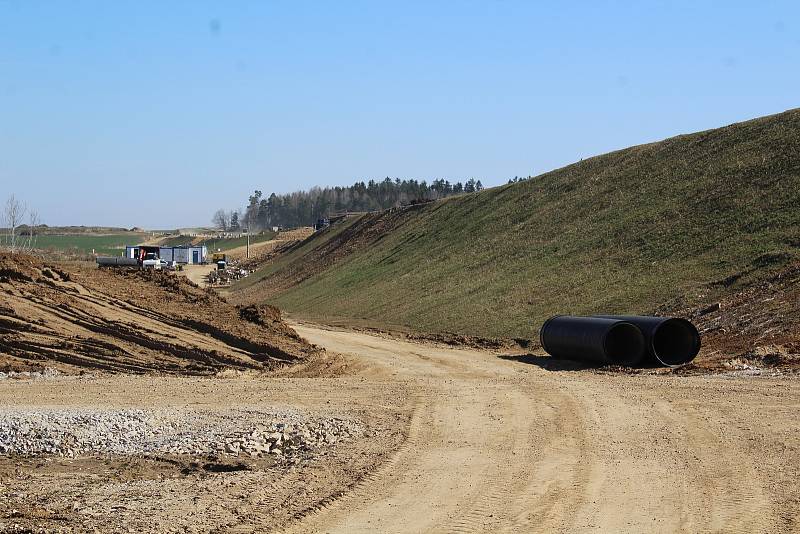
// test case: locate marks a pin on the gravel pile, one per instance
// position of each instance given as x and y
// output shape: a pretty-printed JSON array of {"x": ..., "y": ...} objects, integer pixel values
[
  {"x": 73, "y": 432},
  {"x": 47, "y": 373}
]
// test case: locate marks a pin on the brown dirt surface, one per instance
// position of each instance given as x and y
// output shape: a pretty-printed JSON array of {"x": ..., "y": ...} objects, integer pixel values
[
  {"x": 261, "y": 253},
  {"x": 198, "y": 274},
  {"x": 129, "y": 320},
  {"x": 460, "y": 440},
  {"x": 756, "y": 328},
  {"x": 496, "y": 444},
  {"x": 190, "y": 493}
]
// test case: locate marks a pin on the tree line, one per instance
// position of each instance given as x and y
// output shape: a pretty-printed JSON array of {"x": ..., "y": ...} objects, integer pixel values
[{"x": 304, "y": 208}]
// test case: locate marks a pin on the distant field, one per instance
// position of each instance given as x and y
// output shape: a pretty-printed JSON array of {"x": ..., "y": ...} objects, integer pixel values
[
  {"x": 110, "y": 244},
  {"x": 114, "y": 244}
]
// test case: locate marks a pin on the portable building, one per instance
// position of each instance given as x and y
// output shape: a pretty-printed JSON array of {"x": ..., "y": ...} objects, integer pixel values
[
  {"x": 191, "y": 254},
  {"x": 181, "y": 254},
  {"x": 197, "y": 254}
]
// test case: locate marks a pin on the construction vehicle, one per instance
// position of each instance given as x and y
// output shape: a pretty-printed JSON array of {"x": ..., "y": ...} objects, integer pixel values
[
  {"x": 151, "y": 261},
  {"x": 220, "y": 260},
  {"x": 147, "y": 257}
]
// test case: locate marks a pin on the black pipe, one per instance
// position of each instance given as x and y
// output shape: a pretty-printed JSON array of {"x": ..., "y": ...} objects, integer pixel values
[
  {"x": 671, "y": 341},
  {"x": 609, "y": 341}
]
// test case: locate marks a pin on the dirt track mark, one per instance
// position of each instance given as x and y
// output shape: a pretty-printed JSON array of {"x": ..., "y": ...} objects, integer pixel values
[
  {"x": 507, "y": 446},
  {"x": 129, "y": 321}
]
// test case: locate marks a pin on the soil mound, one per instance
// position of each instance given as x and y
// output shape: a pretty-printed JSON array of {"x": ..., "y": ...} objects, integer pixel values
[
  {"x": 131, "y": 321},
  {"x": 260, "y": 314},
  {"x": 757, "y": 327},
  {"x": 267, "y": 316}
]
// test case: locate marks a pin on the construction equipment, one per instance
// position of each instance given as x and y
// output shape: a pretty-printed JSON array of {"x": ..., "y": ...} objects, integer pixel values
[
  {"x": 671, "y": 341},
  {"x": 151, "y": 261},
  {"x": 112, "y": 261},
  {"x": 629, "y": 340},
  {"x": 594, "y": 339},
  {"x": 146, "y": 257},
  {"x": 220, "y": 260}
]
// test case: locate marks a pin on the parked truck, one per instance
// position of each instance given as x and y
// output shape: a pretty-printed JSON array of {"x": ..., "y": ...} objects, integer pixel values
[{"x": 147, "y": 257}]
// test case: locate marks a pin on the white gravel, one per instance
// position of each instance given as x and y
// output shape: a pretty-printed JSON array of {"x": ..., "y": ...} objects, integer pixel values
[
  {"x": 47, "y": 373},
  {"x": 253, "y": 433}
]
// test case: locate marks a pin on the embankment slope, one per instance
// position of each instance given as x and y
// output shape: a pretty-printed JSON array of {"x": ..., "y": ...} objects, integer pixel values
[{"x": 667, "y": 226}]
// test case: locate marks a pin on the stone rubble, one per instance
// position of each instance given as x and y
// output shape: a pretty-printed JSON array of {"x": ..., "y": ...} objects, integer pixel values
[
  {"x": 69, "y": 433},
  {"x": 36, "y": 375}
]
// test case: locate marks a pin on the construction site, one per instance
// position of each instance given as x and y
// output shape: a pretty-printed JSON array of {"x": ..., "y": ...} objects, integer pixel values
[
  {"x": 138, "y": 401},
  {"x": 399, "y": 267},
  {"x": 141, "y": 398}
]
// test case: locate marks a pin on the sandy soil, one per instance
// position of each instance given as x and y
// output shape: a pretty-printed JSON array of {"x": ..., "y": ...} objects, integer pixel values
[
  {"x": 465, "y": 441},
  {"x": 197, "y": 273},
  {"x": 256, "y": 249},
  {"x": 499, "y": 445},
  {"x": 130, "y": 321},
  {"x": 175, "y": 493}
]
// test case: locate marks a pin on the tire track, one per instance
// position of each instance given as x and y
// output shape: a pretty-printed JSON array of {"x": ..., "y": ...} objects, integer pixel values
[{"x": 360, "y": 492}]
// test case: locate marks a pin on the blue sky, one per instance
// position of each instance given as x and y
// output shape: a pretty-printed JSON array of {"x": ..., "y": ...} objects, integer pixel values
[{"x": 156, "y": 114}]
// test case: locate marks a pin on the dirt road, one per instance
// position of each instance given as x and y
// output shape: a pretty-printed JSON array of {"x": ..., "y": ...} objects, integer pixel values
[
  {"x": 198, "y": 273},
  {"x": 498, "y": 444},
  {"x": 455, "y": 441}
]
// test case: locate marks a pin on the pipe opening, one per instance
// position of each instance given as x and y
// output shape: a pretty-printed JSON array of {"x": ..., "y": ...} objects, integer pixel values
[
  {"x": 676, "y": 342},
  {"x": 624, "y": 344}
]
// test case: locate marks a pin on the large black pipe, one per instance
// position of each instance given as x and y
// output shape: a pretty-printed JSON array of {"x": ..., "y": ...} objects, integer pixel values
[
  {"x": 595, "y": 339},
  {"x": 671, "y": 341}
]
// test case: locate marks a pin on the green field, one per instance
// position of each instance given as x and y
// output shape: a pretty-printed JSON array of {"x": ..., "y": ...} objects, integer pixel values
[
  {"x": 107, "y": 245},
  {"x": 669, "y": 224},
  {"x": 114, "y": 244}
]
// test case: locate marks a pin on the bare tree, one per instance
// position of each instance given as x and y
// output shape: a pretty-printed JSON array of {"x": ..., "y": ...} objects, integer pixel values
[
  {"x": 33, "y": 222},
  {"x": 13, "y": 214},
  {"x": 221, "y": 220}
]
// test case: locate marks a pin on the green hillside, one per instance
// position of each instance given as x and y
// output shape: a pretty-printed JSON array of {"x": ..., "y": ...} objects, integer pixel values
[{"x": 667, "y": 224}]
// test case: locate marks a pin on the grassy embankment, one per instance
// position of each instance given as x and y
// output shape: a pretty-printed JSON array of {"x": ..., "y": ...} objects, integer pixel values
[{"x": 667, "y": 224}]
